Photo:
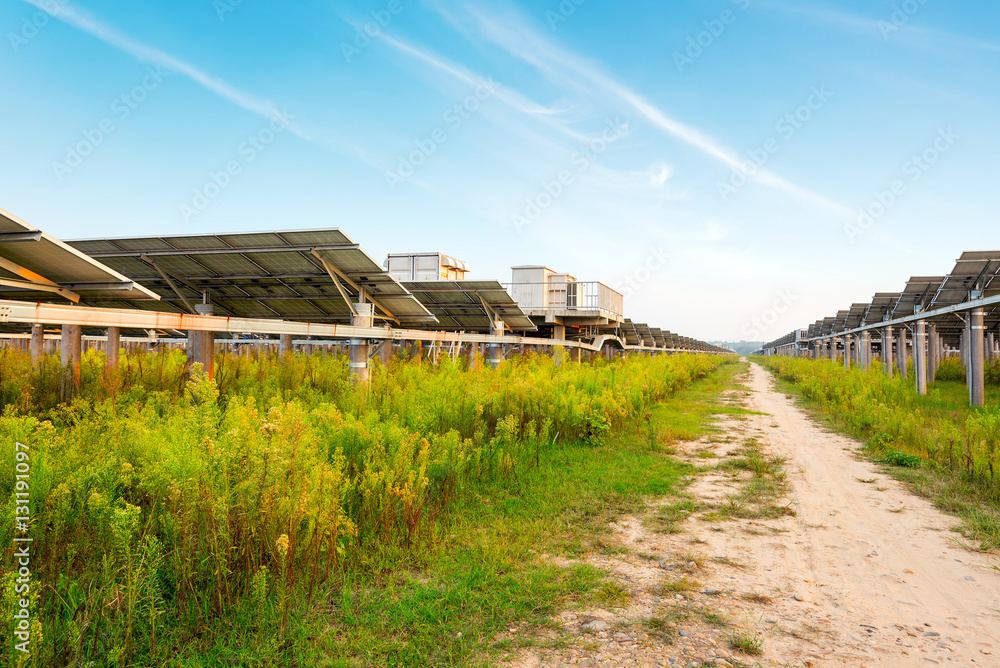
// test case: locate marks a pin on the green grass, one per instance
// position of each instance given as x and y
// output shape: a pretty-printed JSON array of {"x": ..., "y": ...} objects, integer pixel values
[
  {"x": 281, "y": 516},
  {"x": 746, "y": 642},
  {"x": 939, "y": 446},
  {"x": 563, "y": 510},
  {"x": 759, "y": 494}
]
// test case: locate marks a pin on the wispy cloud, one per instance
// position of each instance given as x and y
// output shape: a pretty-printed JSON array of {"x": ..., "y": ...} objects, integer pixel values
[
  {"x": 109, "y": 35},
  {"x": 876, "y": 27},
  {"x": 509, "y": 96},
  {"x": 516, "y": 36}
]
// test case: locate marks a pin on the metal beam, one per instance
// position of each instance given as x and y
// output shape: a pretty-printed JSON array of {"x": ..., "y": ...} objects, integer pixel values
[
  {"x": 166, "y": 276},
  {"x": 334, "y": 273},
  {"x": 954, "y": 309},
  {"x": 13, "y": 237},
  {"x": 36, "y": 279},
  {"x": 221, "y": 251},
  {"x": 110, "y": 286},
  {"x": 41, "y": 287},
  {"x": 335, "y": 277}
]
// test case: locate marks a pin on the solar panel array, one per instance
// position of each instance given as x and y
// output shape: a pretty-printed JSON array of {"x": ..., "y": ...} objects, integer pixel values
[
  {"x": 299, "y": 275},
  {"x": 35, "y": 266},
  {"x": 976, "y": 274},
  {"x": 469, "y": 305},
  {"x": 260, "y": 274}
]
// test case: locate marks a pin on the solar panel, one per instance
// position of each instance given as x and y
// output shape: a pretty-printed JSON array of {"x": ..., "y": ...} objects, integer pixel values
[
  {"x": 39, "y": 267},
  {"x": 840, "y": 321},
  {"x": 632, "y": 336},
  {"x": 919, "y": 292},
  {"x": 290, "y": 274},
  {"x": 881, "y": 307},
  {"x": 974, "y": 272},
  {"x": 856, "y": 315},
  {"x": 658, "y": 340},
  {"x": 459, "y": 305},
  {"x": 646, "y": 334}
]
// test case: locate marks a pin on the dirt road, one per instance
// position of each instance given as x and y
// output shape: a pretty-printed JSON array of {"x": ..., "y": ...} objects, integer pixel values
[{"x": 862, "y": 574}]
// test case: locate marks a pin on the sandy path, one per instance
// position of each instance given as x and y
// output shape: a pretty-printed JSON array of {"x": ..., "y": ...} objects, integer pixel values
[
  {"x": 864, "y": 574},
  {"x": 856, "y": 562}
]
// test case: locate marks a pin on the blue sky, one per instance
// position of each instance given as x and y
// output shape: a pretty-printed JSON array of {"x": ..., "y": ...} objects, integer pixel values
[{"x": 710, "y": 159}]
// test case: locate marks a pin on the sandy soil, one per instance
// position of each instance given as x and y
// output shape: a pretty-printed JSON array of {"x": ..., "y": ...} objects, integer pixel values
[{"x": 864, "y": 574}]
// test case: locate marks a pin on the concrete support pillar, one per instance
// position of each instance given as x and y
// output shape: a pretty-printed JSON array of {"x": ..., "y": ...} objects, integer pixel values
[
  {"x": 559, "y": 332},
  {"x": 496, "y": 349},
  {"x": 285, "y": 345},
  {"x": 470, "y": 354},
  {"x": 932, "y": 353},
  {"x": 963, "y": 348},
  {"x": 114, "y": 346},
  {"x": 847, "y": 352},
  {"x": 920, "y": 356},
  {"x": 866, "y": 350},
  {"x": 71, "y": 343},
  {"x": 991, "y": 348},
  {"x": 201, "y": 345},
  {"x": 38, "y": 341},
  {"x": 574, "y": 354},
  {"x": 977, "y": 380},
  {"x": 887, "y": 351},
  {"x": 902, "y": 357},
  {"x": 386, "y": 352},
  {"x": 360, "y": 347}
]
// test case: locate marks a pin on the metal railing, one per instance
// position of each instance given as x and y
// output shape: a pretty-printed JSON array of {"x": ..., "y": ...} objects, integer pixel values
[{"x": 575, "y": 296}]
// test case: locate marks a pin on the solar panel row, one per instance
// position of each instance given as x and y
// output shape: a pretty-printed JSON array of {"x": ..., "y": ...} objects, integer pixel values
[{"x": 976, "y": 274}]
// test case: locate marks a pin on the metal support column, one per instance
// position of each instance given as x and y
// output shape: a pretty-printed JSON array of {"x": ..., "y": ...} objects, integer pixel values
[
  {"x": 933, "y": 361},
  {"x": 201, "y": 345},
  {"x": 902, "y": 356},
  {"x": 920, "y": 356},
  {"x": 887, "y": 351},
  {"x": 977, "y": 380},
  {"x": 364, "y": 317},
  {"x": 496, "y": 349}
]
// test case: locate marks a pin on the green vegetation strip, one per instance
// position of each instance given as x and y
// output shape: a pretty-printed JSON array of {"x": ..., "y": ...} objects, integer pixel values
[
  {"x": 281, "y": 516},
  {"x": 943, "y": 449}
]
